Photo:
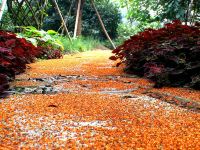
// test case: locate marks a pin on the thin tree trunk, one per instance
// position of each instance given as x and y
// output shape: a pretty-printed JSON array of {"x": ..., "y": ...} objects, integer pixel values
[
  {"x": 61, "y": 17},
  {"x": 190, "y": 11},
  {"x": 33, "y": 13},
  {"x": 194, "y": 14},
  {"x": 79, "y": 28},
  {"x": 186, "y": 14},
  {"x": 77, "y": 18},
  {"x": 2, "y": 8},
  {"x": 102, "y": 24},
  {"x": 68, "y": 14}
]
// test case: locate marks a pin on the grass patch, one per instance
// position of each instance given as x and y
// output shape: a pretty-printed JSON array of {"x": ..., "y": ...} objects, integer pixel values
[{"x": 80, "y": 44}]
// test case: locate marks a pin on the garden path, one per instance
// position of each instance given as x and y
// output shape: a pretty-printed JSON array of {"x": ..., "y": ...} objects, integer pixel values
[{"x": 84, "y": 102}]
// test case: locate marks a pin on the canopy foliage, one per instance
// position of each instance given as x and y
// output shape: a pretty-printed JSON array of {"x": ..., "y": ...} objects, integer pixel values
[{"x": 151, "y": 10}]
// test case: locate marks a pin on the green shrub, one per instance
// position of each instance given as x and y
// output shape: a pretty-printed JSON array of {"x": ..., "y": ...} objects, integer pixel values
[
  {"x": 90, "y": 24},
  {"x": 41, "y": 37},
  {"x": 47, "y": 41},
  {"x": 53, "y": 41}
]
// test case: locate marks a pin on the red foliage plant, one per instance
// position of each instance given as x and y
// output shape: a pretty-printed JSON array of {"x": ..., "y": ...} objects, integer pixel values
[
  {"x": 15, "y": 53},
  {"x": 169, "y": 55}
]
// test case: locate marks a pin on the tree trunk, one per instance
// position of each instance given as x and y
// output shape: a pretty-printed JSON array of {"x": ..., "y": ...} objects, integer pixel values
[
  {"x": 195, "y": 14},
  {"x": 189, "y": 17},
  {"x": 2, "y": 7},
  {"x": 186, "y": 14},
  {"x": 79, "y": 28},
  {"x": 61, "y": 17},
  {"x": 77, "y": 18},
  {"x": 68, "y": 15},
  {"x": 102, "y": 24}
]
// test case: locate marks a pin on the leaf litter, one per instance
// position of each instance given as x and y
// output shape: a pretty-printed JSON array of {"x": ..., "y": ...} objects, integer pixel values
[{"x": 103, "y": 108}]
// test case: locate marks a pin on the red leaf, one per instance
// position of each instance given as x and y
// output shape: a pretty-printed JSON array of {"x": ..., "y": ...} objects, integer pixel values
[
  {"x": 4, "y": 62},
  {"x": 118, "y": 64},
  {"x": 10, "y": 43},
  {"x": 117, "y": 50},
  {"x": 18, "y": 52},
  {"x": 113, "y": 58}
]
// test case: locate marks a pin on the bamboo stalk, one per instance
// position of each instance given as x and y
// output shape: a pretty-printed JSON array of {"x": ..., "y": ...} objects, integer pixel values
[
  {"x": 190, "y": 11},
  {"x": 68, "y": 14},
  {"x": 34, "y": 17},
  {"x": 77, "y": 18},
  {"x": 102, "y": 24},
  {"x": 61, "y": 17}
]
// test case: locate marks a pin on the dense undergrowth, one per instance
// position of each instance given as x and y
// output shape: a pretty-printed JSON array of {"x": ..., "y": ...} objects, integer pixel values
[
  {"x": 45, "y": 39},
  {"x": 53, "y": 41},
  {"x": 169, "y": 55},
  {"x": 15, "y": 53}
]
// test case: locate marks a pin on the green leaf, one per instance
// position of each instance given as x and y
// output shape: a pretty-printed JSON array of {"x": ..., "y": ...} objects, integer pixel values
[
  {"x": 32, "y": 40},
  {"x": 60, "y": 44},
  {"x": 52, "y": 32},
  {"x": 31, "y": 28}
]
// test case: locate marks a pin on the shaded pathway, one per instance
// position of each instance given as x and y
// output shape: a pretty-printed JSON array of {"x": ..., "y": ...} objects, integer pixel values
[{"x": 83, "y": 101}]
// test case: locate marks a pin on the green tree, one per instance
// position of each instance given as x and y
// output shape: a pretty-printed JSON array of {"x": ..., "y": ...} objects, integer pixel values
[
  {"x": 90, "y": 25},
  {"x": 161, "y": 10},
  {"x": 185, "y": 10}
]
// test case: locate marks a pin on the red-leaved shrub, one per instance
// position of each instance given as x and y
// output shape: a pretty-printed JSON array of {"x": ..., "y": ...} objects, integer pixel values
[
  {"x": 169, "y": 56},
  {"x": 15, "y": 53}
]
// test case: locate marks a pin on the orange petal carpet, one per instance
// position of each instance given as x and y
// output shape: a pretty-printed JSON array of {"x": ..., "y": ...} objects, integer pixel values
[{"x": 100, "y": 107}]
